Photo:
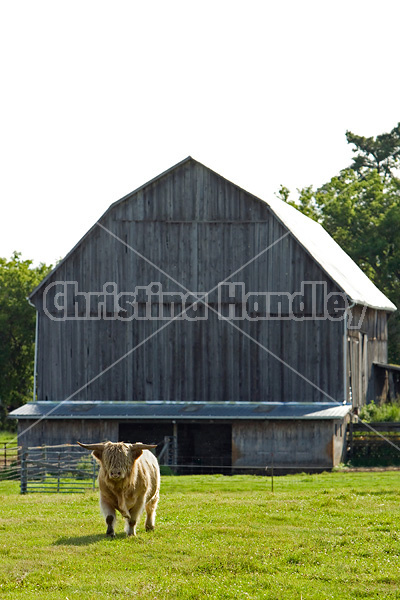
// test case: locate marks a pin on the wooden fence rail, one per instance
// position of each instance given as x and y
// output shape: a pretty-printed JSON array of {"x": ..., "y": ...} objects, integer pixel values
[
  {"x": 63, "y": 469},
  {"x": 9, "y": 461}
]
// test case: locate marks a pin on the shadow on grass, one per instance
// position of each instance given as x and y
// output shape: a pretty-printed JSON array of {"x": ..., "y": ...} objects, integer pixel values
[{"x": 85, "y": 540}]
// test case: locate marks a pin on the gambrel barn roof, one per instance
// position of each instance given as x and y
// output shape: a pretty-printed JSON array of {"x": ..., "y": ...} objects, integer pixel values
[{"x": 338, "y": 265}]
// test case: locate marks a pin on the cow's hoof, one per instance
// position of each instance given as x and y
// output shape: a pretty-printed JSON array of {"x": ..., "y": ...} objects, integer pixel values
[
  {"x": 150, "y": 528},
  {"x": 110, "y": 533}
]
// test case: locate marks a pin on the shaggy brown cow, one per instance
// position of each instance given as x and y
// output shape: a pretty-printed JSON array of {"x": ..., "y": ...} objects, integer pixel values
[{"x": 129, "y": 481}]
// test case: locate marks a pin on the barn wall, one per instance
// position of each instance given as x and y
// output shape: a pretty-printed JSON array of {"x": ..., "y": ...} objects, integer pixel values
[
  {"x": 292, "y": 443},
  {"x": 367, "y": 344},
  {"x": 200, "y": 229},
  {"x": 203, "y": 361},
  {"x": 66, "y": 431},
  {"x": 302, "y": 444},
  {"x": 339, "y": 440}
]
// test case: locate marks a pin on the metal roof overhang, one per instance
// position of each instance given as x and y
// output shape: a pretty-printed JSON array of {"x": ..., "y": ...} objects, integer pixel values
[
  {"x": 164, "y": 411},
  {"x": 387, "y": 367}
]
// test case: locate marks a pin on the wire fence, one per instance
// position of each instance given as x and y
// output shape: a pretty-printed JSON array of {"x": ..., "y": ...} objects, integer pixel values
[{"x": 69, "y": 468}]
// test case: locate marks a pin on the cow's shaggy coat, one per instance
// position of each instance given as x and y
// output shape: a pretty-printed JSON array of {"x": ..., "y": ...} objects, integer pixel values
[{"x": 129, "y": 481}]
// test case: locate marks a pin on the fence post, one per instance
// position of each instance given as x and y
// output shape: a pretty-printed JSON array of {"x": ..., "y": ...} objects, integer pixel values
[
  {"x": 58, "y": 472},
  {"x": 94, "y": 473},
  {"x": 175, "y": 449},
  {"x": 5, "y": 454},
  {"x": 272, "y": 471},
  {"x": 24, "y": 471},
  {"x": 350, "y": 456},
  {"x": 43, "y": 473}
]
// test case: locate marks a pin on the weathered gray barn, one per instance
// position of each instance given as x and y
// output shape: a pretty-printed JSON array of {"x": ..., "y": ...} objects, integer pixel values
[{"x": 274, "y": 361}]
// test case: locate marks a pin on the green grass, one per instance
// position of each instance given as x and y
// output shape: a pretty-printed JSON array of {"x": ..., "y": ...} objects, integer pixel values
[
  {"x": 7, "y": 437},
  {"x": 316, "y": 537}
]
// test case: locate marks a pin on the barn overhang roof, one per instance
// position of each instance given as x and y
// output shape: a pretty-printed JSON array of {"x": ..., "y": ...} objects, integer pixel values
[
  {"x": 387, "y": 367},
  {"x": 193, "y": 411}
]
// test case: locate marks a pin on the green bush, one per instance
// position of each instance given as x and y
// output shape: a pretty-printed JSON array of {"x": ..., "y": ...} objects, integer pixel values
[
  {"x": 165, "y": 470},
  {"x": 377, "y": 413}
]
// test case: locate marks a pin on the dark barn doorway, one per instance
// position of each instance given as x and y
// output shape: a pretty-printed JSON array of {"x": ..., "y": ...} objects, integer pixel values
[
  {"x": 147, "y": 433},
  {"x": 201, "y": 447},
  {"x": 205, "y": 446}
]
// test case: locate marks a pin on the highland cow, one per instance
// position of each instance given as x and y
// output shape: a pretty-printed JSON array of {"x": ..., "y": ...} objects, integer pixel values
[{"x": 129, "y": 481}]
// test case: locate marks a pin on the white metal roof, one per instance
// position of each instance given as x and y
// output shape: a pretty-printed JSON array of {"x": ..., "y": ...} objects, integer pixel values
[{"x": 331, "y": 257}]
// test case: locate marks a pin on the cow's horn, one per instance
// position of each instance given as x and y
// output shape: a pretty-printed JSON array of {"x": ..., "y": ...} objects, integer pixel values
[
  {"x": 140, "y": 446},
  {"x": 92, "y": 446}
]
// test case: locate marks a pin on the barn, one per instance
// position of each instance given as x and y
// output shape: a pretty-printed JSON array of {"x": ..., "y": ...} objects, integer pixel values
[{"x": 195, "y": 312}]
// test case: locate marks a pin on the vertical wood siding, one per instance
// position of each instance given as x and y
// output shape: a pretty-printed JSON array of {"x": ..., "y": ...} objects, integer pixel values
[
  {"x": 199, "y": 229},
  {"x": 53, "y": 432},
  {"x": 288, "y": 444}
]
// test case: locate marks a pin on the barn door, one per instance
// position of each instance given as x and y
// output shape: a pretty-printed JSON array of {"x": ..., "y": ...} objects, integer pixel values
[
  {"x": 147, "y": 433},
  {"x": 358, "y": 367},
  {"x": 353, "y": 359},
  {"x": 363, "y": 349},
  {"x": 204, "y": 444}
]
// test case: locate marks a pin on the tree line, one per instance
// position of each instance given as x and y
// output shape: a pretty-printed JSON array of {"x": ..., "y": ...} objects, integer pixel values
[
  {"x": 359, "y": 207},
  {"x": 18, "y": 278}
]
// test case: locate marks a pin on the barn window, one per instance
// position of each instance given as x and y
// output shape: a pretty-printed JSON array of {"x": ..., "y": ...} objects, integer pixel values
[{"x": 338, "y": 430}]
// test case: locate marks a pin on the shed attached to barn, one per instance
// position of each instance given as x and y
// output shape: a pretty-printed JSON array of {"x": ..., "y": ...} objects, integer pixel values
[{"x": 193, "y": 309}]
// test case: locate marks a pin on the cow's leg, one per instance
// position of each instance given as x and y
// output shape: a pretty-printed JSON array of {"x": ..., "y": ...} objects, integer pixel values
[
  {"x": 135, "y": 512},
  {"x": 109, "y": 514},
  {"x": 130, "y": 527},
  {"x": 151, "y": 508}
]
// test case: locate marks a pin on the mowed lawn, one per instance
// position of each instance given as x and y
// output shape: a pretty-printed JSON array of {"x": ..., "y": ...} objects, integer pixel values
[{"x": 323, "y": 536}]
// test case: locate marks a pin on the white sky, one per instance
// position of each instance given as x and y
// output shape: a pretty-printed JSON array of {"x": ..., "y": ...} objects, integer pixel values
[{"x": 99, "y": 97}]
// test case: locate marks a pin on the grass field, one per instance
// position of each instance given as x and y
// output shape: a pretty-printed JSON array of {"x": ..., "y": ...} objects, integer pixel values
[
  {"x": 7, "y": 437},
  {"x": 316, "y": 537}
]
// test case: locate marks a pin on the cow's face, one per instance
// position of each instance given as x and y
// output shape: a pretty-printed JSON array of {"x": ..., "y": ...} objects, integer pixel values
[{"x": 117, "y": 458}]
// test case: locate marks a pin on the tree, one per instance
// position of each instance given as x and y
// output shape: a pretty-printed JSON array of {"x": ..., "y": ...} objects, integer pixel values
[
  {"x": 17, "y": 330},
  {"x": 381, "y": 152},
  {"x": 360, "y": 209},
  {"x": 355, "y": 212},
  {"x": 306, "y": 202}
]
